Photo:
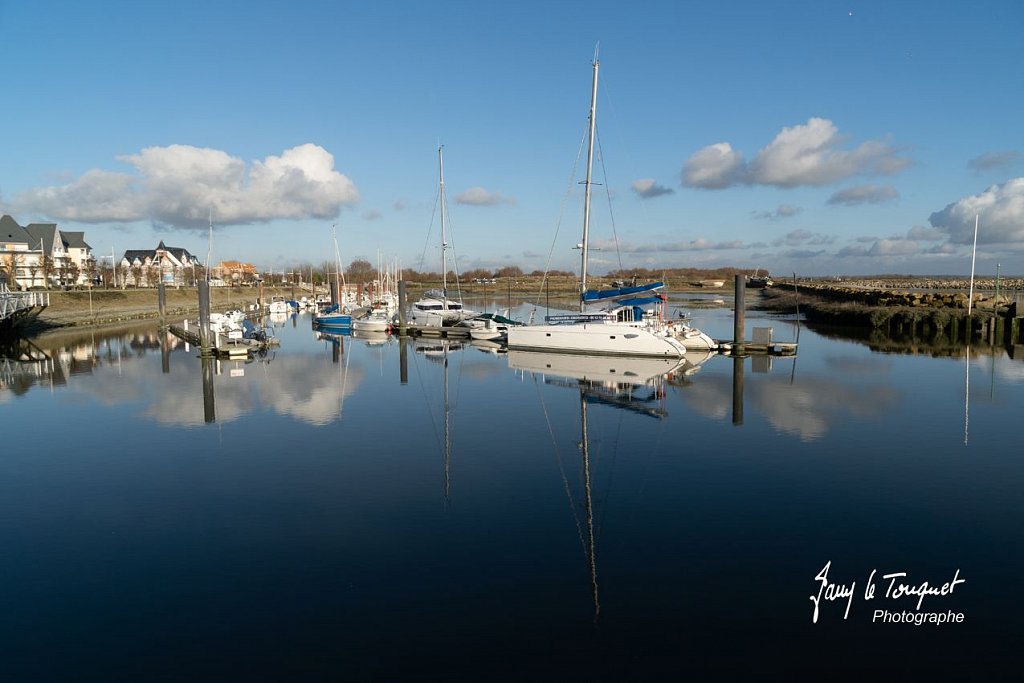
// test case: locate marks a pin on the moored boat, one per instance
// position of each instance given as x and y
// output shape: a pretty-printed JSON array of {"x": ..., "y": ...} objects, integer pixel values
[{"x": 632, "y": 320}]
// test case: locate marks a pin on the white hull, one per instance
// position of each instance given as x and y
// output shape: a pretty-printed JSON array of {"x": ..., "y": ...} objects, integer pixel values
[
  {"x": 371, "y": 324},
  {"x": 488, "y": 333},
  {"x": 604, "y": 339}
]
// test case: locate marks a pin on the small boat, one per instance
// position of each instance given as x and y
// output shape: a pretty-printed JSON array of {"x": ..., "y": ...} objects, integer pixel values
[
  {"x": 756, "y": 281},
  {"x": 279, "y": 304},
  {"x": 489, "y": 326},
  {"x": 332, "y": 317},
  {"x": 375, "y": 320}
]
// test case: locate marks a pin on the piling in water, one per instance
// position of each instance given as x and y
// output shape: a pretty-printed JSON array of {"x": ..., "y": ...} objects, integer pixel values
[
  {"x": 739, "y": 315},
  {"x": 205, "y": 338},
  {"x": 402, "y": 296},
  {"x": 161, "y": 303}
]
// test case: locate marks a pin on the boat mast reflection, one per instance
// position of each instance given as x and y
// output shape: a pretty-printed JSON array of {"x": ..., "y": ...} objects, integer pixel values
[{"x": 635, "y": 385}]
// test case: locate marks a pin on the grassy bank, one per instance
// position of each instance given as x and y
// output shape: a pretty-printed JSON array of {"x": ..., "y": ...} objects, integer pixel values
[{"x": 114, "y": 306}]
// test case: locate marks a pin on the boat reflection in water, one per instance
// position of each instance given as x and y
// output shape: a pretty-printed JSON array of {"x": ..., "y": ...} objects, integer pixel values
[{"x": 636, "y": 385}]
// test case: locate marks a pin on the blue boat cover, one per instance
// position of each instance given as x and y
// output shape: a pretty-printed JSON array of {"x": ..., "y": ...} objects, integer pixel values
[
  {"x": 620, "y": 292},
  {"x": 643, "y": 301}
]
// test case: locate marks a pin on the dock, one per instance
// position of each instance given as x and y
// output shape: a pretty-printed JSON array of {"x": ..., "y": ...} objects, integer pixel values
[
  {"x": 222, "y": 346},
  {"x": 452, "y": 332}
]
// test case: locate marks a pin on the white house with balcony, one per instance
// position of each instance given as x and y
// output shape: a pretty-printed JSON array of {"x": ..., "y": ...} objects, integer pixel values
[{"x": 41, "y": 255}]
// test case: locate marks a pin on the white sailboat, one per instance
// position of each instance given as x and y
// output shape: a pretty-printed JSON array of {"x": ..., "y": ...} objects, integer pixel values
[
  {"x": 632, "y": 320},
  {"x": 434, "y": 308}
]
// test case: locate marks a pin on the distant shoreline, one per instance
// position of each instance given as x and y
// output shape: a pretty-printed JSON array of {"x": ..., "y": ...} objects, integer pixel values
[{"x": 114, "y": 307}]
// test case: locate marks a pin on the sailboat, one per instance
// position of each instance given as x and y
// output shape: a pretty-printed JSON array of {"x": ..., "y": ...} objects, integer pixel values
[
  {"x": 434, "y": 308},
  {"x": 621, "y": 321},
  {"x": 334, "y": 317}
]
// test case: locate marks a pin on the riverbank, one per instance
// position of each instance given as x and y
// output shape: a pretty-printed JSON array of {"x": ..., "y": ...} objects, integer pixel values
[{"x": 115, "y": 307}]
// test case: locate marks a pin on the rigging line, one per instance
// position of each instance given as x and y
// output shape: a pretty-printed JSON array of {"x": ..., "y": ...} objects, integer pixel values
[
  {"x": 561, "y": 215},
  {"x": 608, "y": 194},
  {"x": 611, "y": 472},
  {"x": 426, "y": 401},
  {"x": 561, "y": 467},
  {"x": 430, "y": 231},
  {"x": 455, "y": 256}
]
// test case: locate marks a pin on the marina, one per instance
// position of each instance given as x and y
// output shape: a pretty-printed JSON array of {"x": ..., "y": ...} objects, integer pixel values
[
  {"x": 265, "y": 501},
  {"x": 722, "y": 381}
]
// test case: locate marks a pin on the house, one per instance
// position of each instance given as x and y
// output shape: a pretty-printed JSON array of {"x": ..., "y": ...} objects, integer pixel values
[
  {"x": 148, "y": 267},
  {"x": 236, "y": 272},
  {"x": 41, "y": 255}
]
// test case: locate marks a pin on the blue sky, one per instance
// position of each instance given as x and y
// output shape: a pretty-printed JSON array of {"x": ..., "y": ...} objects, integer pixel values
[{"x": 812, "y": 137}]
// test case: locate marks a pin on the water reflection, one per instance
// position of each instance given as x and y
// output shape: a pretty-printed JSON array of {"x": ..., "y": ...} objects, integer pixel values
[{"x": 634, "y": 385}]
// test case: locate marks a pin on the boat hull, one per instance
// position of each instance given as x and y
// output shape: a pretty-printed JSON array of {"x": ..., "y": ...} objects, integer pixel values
[
  {"x": 371, "y": 325},
  {"x": 333, "y": 321},
  {"x": 597, "y": 338}
]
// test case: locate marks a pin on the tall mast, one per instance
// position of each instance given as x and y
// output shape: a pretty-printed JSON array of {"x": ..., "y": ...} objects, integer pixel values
[
  {"x": 586, "y": 193},
  {"x": 444, "y": 245}
]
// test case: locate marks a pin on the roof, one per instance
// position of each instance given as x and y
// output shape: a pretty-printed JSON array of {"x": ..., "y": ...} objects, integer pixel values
[
  {"x": 10, "y": 231},
  {"x": 74, "y": 240},
  {"x": 177, "y": 253},
  {"x": 46, "y": 232}
]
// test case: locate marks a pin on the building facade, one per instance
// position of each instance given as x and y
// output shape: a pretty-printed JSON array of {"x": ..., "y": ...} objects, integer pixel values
[
  {"x": 40, "y": 255},
  {"x": 173, "y": 266}
]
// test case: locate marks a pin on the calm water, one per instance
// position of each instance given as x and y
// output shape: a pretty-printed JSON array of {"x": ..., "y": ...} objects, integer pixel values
[{"x": 312, "y": 516}]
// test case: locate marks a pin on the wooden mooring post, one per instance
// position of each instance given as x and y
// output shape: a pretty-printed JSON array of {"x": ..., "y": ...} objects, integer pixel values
[
  {"x": 161, "y": 303},
  {"x": 402, "y": 298},
  {"x": 739, "y": 314},
  {"x": 205, "y": 337}
]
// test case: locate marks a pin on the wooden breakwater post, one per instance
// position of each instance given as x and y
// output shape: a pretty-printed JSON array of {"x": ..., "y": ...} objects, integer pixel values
[
  {"x": 205, "y": 337},
  {"x": 739, "y": 314},
  {"x": 402, "y": 298}
]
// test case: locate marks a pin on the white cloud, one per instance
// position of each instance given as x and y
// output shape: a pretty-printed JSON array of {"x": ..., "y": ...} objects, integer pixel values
[
  {"x": 1000, "y": 211},
  {"x": 647, "y": 188},
  {"x": 805, "y": 155},
  {"x": 893, "y": 247},
  {"x": 179, "y": 185},
  {"x": 478, "y": 196},
  {"x": 864, "y": 194},
  {"x": 714, "y": 167},
  {"x": 809, "y": 154}
]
